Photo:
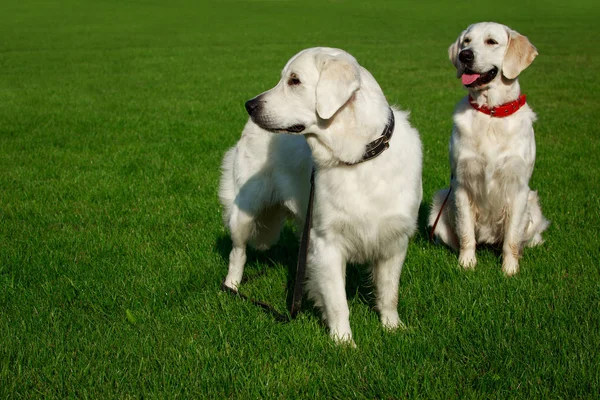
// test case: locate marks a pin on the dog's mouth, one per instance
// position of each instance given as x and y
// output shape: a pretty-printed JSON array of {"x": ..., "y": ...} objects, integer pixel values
[
  {"x": 290, "y": 129},
  {"x": 295, "y": 128},
  {"x": 266, "y": 125},
  {"x": 471, "y": 78}
]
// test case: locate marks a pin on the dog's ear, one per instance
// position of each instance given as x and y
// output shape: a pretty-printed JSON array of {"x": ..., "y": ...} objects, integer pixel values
[
  {"x": 453, "y": 51},
  {"x": 339, "y": 79},
  {"x": 519, "y": 55}
]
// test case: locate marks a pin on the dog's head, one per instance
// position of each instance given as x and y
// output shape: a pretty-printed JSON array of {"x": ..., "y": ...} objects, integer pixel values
[
  {"x": 486, "y": 50},
  {"x": 315, "y": 84}
]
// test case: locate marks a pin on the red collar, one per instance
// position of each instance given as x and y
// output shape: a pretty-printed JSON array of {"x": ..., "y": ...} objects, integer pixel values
[{"x": 501, "y": 111}]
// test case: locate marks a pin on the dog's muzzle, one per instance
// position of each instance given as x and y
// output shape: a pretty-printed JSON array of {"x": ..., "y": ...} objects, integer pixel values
[
  {"x": 471, "y": 78},
  {"x": 255, "y": 106}
]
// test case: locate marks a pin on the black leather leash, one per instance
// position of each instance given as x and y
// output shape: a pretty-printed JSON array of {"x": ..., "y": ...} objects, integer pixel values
[
  {"x": 373, "y": 149},
  {"x": 267, "y": 307},
  {"x": 303, "y": 252}
]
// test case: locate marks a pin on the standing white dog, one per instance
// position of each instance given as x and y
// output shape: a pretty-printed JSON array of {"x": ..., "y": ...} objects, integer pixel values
[
  {"x": 363, "y": 211},
  {"x": 492, "y": 150}
]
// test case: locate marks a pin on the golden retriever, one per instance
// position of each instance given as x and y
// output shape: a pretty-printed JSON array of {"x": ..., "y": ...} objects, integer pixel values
[
  {"x": 327, "y": 105},
  {"x": 492, "y": 150}
]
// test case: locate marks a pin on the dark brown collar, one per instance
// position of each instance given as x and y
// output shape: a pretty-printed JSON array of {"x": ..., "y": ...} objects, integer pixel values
[{"x": 379, "y": 145}]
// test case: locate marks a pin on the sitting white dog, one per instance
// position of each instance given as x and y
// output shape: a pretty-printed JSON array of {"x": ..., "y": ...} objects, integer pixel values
[
  {"x": 492, "y": 150},
  {"x": 364, "y": 210}
]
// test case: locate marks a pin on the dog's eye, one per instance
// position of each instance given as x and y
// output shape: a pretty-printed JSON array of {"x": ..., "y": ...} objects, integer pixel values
[
  {"x": 294, "y": 80},
  {"x": 467, "y": 40},
  {"x": 491, "y": 42}
]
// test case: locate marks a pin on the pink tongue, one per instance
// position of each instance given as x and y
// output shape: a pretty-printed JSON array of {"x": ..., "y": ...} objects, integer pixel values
[{"x": 468, "y": 79}]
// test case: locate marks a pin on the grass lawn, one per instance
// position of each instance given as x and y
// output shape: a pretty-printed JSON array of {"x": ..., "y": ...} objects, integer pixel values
[{"x": 114, "y": 116}]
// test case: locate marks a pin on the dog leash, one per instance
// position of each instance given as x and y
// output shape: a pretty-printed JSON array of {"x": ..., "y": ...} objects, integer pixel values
[
  {"x": 267, "y": 307},
  {"x": 373, "y": 149},
  {"x": 303, "y": 252}
]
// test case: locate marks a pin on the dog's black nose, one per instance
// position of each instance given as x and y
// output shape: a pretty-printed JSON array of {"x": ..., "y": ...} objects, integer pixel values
[
  {"x": 466, "y": 57},
  {"x": 252, "y": 106}
]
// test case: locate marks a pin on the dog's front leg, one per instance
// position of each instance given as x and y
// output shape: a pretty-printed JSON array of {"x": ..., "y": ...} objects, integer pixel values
[
  {"x": 465, "y": 228},
  {"x": 513, "y": 235},
  {"x": 240, "y": 226},
  {"x": 386, "y": 277},
  {"x": 513, "y": 177},
  {"x": 468, "y": 186},
  {"x": 327, "y": 287}
]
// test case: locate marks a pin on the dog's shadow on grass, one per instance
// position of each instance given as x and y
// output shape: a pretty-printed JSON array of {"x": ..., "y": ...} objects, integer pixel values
[{"x": 285, "y": 252}]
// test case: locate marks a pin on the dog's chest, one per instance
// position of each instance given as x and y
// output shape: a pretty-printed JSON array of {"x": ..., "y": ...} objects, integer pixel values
[
  {"x": 489, "y": 157},
  {"x": 363, "y": 217},
  {"x": 488, "y": 138},
  {"x": 487, "y": 142}
]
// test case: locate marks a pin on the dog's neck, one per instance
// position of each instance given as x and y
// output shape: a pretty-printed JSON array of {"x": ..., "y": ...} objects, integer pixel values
[
  {"x": 499, "y": 92},
  {"x": 344, "y": 138}
]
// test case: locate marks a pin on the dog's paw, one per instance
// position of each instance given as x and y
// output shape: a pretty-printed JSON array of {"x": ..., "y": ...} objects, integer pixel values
[
  {"x": 510, "y": 266},
  {"x": 231, "y": 284},
  {"x": 343, "y": 340},
  {"x": 391, "y": 321},
  {"x": 342, "y": 337},
  {"x": 536, "y": 240},
  {"x": 467, "y": 259}
]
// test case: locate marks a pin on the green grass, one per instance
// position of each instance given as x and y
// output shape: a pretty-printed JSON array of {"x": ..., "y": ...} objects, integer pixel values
[{"x": 114, "y": 116}]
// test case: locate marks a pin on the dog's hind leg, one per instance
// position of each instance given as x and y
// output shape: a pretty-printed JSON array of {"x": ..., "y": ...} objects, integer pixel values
[
  {"x": 386, "y": 277},
  {"x": 241, "y": 226},
  {"x": 253, "y": 198},
  {"x": 444, "y": 229},
  {"x": 537, "y": 222}
]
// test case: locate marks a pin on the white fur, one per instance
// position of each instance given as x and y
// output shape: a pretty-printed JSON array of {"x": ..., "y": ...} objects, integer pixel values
[
  {"x": 362, "y": 213},
  {"x": 491, "y": 159}
]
